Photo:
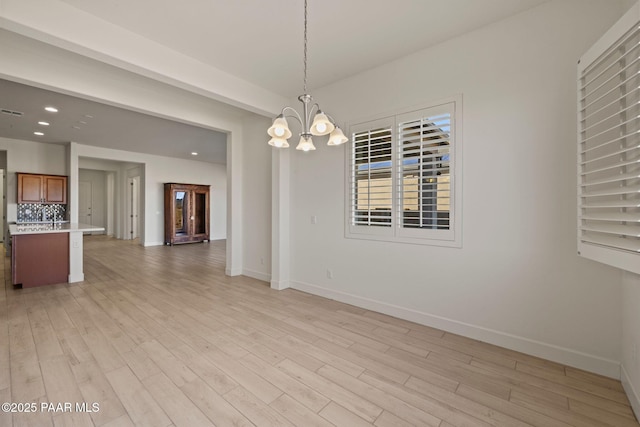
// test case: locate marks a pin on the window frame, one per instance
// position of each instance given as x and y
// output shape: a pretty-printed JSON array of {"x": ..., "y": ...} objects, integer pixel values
[{"x": 451, "y": 237}]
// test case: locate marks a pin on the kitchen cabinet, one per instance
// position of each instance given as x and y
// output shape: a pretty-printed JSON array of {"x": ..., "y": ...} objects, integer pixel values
[
  {"x": 33, "y": 188},
  {"x": 47, "y": 253},
  {"x": 39, "y": 259},
  {"x": 186, "y": 213}
]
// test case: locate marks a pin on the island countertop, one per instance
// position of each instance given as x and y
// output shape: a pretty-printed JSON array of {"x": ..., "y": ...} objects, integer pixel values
[{"x": 59, "y": 227}]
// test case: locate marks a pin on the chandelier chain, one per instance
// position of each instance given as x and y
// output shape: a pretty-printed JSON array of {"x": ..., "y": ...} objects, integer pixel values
[
  {"x": 322, "y": 124},
  {"x": 305, "y": 47}
]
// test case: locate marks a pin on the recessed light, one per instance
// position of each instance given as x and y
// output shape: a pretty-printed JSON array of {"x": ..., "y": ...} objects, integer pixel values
[
  {"x": 194, "y": 153},
  {"x": 43, "y": 123},
  {"x": 38, "y": 133},
  {"x": 88, "y": 116},
  {"x": 82, "y": 122},
  {"x": 51, "y": 109},
  {"x": 76, "y": 127}
]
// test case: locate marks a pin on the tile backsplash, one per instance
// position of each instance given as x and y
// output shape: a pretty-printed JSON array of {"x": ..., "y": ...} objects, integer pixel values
[{"x": 37, "y": 212}]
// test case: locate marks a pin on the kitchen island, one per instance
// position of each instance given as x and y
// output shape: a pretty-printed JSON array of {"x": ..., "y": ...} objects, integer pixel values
[{"x": 47, "y": 253}]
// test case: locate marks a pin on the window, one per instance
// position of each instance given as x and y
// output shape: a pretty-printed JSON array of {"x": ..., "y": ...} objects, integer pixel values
[
  {"x": 372, "y": 171},
  {"x": 404, "y": 180},
  {"x": 609, "y": 147}
]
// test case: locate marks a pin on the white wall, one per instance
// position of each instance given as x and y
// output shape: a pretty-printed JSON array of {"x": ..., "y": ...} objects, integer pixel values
[
  {"x": 256, "y": 171},
  {"x": 631, "y": 338},
  {"x": 30, "y": 157},
  {"x": 517, "y": 280},
  {"x": 157, "y": 171}
]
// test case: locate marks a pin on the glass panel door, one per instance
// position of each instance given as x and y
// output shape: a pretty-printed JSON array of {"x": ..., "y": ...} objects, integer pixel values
[
  {"x": 181, "y": 212},
  {"x": 200, "y": 212}
]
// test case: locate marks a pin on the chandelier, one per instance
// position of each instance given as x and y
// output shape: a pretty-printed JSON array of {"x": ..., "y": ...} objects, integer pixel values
[{"x": 322, "y": 123}]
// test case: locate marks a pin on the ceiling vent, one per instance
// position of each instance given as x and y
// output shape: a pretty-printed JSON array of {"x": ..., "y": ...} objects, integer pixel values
[{"x": 11, "y": 112}]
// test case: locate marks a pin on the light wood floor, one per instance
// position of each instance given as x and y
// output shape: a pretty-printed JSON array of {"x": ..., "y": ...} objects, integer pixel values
[{"x": 160, "y": 336}]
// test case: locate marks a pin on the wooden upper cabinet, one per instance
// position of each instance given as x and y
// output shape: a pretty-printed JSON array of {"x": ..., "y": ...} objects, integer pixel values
[
  {"x": 29, "y": 188},
  {"x": 55, "y": 189},
  {"x": 34, "y": 188}
]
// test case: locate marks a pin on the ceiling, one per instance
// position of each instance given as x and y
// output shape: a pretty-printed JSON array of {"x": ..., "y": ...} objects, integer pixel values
[
  {"x": 93, "y": 123},
  {"x": 262, "y": 41},
  {"x": 257, "y": 41}
]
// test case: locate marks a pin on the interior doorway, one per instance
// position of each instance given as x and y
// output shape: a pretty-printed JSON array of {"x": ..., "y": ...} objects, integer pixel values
[
  {"x": 92, "y": 198},
  {"x": 115, "y": 206},
  {"x": 85, "y": 202}
]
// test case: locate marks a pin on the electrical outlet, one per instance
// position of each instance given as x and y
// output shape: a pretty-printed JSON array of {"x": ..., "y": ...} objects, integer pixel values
[
  {"x": 261, "y": 261},
  {"x": 314, "y": 219},
  {"x": 329, "y": 273}
]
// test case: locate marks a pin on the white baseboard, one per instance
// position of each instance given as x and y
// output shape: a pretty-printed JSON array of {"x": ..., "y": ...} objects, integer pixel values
[
  {"x": 563, "y": 355},
  {"x": 74, "y": 278},
  {"x": 633, "y": 396},
  {"x": 280, "y": 285},
  {"x": 233, "y": 272},
  {"x": 162, "y": 243},
  {"x": 256, "y": 275}
]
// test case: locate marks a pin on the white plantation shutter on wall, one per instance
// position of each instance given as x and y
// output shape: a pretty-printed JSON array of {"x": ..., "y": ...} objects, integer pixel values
[
  {"x": 372, "y": 191},
  {"x": 402, "y": 182},
  {"x": 609, "y": 147},
  {"x": 424, "y": 173}
]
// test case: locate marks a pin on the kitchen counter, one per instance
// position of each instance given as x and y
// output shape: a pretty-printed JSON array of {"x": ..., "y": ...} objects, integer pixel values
[
  {"x": 59, "y": 227},
  {"x": 47, "y": 253}
]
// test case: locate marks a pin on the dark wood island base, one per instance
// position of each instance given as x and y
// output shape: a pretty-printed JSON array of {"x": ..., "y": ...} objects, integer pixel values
[{"x": 40, "y": 259}]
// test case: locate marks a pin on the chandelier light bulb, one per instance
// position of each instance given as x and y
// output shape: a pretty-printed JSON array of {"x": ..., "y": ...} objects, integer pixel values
[
  {"x": 321, "y": 124},
  {"x": 279, "y": 128},
  {"x": 278, "y": 143},
  {"x": 305, "y": 144},
  {"x": 337, "y": 137}
]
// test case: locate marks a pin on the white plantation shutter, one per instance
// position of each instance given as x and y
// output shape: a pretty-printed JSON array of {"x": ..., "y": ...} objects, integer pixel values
[
  {"x": 424, "y": 172},
  {"x": 609, "y": 147},
  {"x": 403, "y": 184},
  {"x": 371, "y": 189}
]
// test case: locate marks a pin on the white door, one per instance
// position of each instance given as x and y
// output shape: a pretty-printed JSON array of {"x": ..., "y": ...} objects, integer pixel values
[
  {"x": 134, "y": 198},
  {"x": 85, "y": 198}
]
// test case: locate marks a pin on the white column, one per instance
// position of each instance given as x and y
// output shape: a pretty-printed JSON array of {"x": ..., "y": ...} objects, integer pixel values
[
  {"x": 72, "y": 172},
  {"x": 234, "y": 202},
  {"x": 280, "y": 225},
  {"x": 76, "y": 273}
]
